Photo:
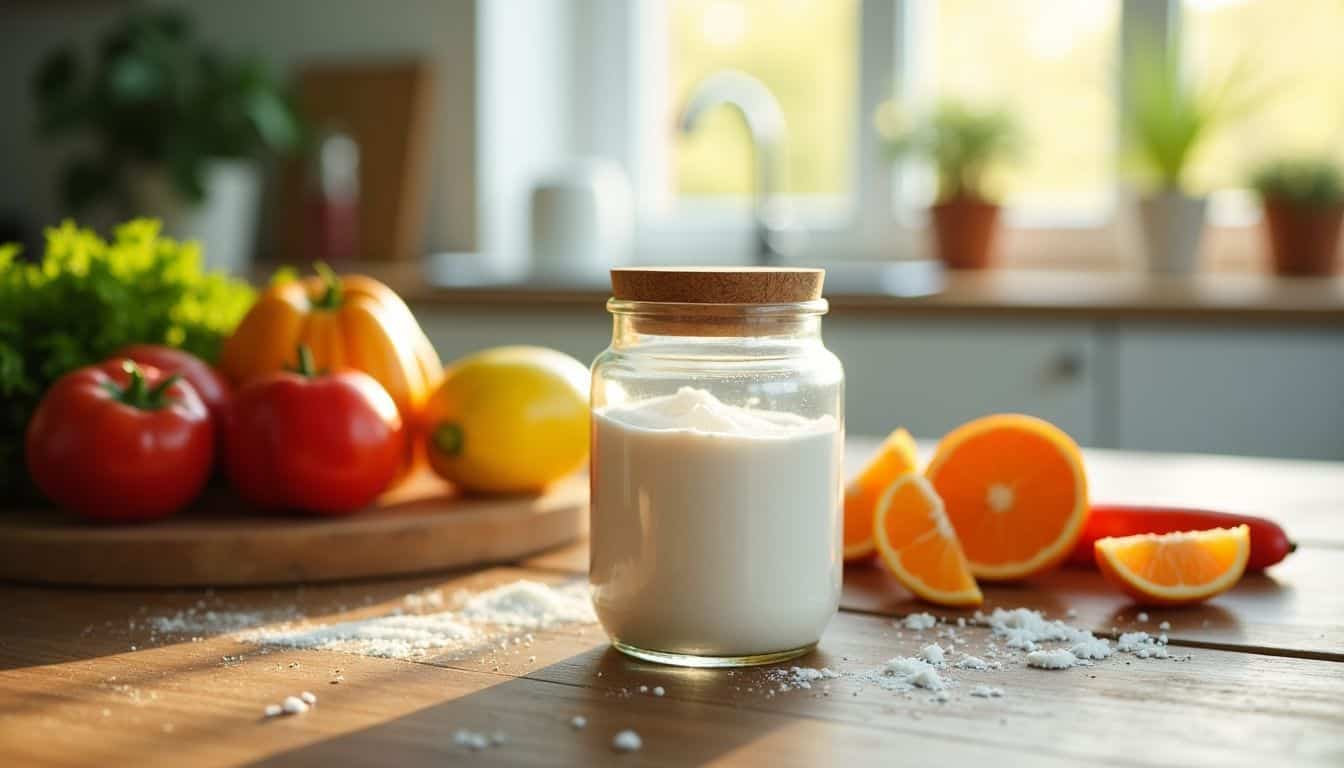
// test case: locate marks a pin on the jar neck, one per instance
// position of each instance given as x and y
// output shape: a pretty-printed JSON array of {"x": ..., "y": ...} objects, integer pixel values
[{"x": 639, "y": 322}]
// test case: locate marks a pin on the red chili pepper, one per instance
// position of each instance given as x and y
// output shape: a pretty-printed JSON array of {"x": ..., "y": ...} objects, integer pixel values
[{"x": 1269, "y": 542}]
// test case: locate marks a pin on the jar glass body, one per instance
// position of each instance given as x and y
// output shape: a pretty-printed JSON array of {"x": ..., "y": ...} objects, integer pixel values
[{"x": 717, "y": 482}]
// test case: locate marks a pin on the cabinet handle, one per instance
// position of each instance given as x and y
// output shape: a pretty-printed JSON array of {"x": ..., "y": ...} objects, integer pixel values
[{"x": 1065, "y": 367}]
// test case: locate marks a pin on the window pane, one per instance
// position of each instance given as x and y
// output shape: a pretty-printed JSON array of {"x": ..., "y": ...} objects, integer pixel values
[
  {"x": 1294, "y": 54},
  {"x": 806, "y": 53},
  {"x": 1051, "y": 62}
]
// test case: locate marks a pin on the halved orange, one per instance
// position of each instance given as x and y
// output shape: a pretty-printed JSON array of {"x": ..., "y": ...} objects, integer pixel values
[
  {"x": 896, "y": 456},
  {"x": 1015, "y": 491},
  {"x": 917, "y": 544},
  {"x": 1175, "y": 568}
]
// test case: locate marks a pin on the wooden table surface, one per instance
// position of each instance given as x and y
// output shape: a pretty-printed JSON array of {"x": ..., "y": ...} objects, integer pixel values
[{"x": 84, "y": 681}]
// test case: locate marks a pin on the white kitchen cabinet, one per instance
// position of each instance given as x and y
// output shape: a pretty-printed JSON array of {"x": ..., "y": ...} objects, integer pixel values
[
  {"x": 1271, "y": 392},
  {"x": 931, "y": 375},
  {"x": 1117, "y": 383}
]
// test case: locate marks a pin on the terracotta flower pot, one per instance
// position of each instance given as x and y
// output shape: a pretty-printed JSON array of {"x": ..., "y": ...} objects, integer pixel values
[
  {"x": 963, "y": 232},
  {"x": 1303, "y": 239}
]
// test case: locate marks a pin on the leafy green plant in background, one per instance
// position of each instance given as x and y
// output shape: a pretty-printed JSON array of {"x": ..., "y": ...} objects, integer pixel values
[
  {"x": 1306, "y": 182},
  {"x": 966, "y": 144},
  {"x": 85, "y": 299},
  {"x": 1169, "y": 117},
  {"x": 154, "y": 96}
]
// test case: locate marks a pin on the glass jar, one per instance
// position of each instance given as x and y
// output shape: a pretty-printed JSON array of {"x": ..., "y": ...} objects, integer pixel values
[{"x": 716, "y": 470}]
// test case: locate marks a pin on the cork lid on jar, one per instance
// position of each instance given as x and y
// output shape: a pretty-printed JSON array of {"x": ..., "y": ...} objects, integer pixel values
[{"x": 717, "y": 285}]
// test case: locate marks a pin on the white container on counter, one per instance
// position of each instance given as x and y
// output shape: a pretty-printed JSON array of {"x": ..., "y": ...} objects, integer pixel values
[{"x": 717, "y": 467}]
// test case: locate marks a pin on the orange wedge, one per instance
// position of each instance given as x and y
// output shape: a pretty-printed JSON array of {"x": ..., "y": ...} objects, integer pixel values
[
  {"x": 1015, "y": 491},
  {"x": 1175, "y": 568},
  {"x": 896, "y": 456},
  {"x": 917, "y": 544}
]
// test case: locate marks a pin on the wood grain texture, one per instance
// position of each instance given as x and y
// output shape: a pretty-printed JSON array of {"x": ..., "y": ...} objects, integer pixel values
[
  {"x": 417, "y": 527},
  {"x": 82, "y": 697},
  {"x": 88, "y": 677}
]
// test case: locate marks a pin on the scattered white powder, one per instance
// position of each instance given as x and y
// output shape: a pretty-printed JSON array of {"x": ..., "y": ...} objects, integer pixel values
[
  {"x": 1091, "y": 648},
  {"x": 1071, "y": 613},
  {"x": 1164, "y": 626},
  {"x": 1023, "y": 629},
  {"x": 197, "y": 621},
  {"x": 395, "y": 637},
  {"x": 1142, "y": 645},
  {"x": 531, "y": 605},
  {"x": 293, "y": 705},
  {"x": 627, "y": 741},
  {"x": 271, "y": 710},
  {"x": 1142, "y": 617},
  {"x": 471, "y": 740},
  {"x": 933, "y": 654},
  {"x": 909, "y": 671},
  {"x": 987, "y": 692},
  {"x": 799, "y": 677},
  {"x": 1057, "y": 658},
  {"x": 519, "y": 605},
  {"x": 578, "y": 722},
  {"x": 977, "y": 663},
  {"x": 919, "y": 621}
]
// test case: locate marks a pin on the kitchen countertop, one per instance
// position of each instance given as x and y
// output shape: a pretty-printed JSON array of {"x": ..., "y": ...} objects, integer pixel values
[
  {"x": 82, "y": 682},
  {"x": 1239, "y": 298}
]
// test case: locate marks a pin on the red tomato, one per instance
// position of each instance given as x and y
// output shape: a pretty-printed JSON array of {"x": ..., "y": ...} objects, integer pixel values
[
  {"x": 327, "y": 443},
  {"x": 120, "y": 442},
  {"x": 208, "y": 383}
]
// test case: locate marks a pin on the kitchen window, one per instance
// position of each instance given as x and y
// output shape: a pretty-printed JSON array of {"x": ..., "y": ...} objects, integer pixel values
[{"x": 1059, "y": 65}]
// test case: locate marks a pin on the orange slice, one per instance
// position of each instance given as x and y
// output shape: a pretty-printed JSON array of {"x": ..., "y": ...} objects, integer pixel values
[
  {"x": 1175, "y": 568},
  {"x": 917, "y": 544},
  {"x": 896, "y": 456},
  {"x": 1015, "y": 491}
]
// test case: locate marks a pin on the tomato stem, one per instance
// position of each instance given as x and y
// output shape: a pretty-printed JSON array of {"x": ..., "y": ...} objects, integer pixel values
[
  {"x": 332, "y": 297},
  {"x": 137, "y": 394}
]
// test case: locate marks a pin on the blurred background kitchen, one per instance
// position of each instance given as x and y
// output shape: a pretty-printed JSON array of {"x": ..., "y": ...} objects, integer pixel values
[{"x": 1120, "y": 215}]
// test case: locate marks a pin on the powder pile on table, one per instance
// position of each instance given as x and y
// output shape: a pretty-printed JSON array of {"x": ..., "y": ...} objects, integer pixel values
[{"x": 481, "y": 619}]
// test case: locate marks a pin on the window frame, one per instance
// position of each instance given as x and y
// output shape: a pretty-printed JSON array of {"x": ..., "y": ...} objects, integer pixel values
[{"x": 622, "y": 45}]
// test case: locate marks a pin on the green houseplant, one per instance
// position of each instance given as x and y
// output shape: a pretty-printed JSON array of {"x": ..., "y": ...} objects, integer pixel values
[
  {"x": 165, "y": 127},
  {"x": 1304, "y": 208},
  {"x": 1168, "y": 119},
  {"x": 966, "y": 146}
]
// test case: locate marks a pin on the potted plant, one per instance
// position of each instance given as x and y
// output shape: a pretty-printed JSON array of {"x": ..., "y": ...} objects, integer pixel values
[
  {"x": 166, "y": 128},
  {"x": 1304, "y": 207},
  {"x": 966, "y": 145},
  {"x": 1168, "y": 119}
]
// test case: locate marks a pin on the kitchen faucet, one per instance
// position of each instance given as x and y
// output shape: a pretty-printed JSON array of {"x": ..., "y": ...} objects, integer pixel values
[{"x": 765, "y": 124}]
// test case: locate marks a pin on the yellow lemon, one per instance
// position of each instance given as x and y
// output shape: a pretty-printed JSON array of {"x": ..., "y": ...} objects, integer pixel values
[{"x": 509, "y": 420}]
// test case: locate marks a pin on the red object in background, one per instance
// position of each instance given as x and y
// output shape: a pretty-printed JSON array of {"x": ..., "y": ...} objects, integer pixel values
[
  {"x": 331, "y": 200},
  {"x": 1269, "y": 543},
  {"x": 324, "y": 443},
  {"x": 120, "y": 442}
]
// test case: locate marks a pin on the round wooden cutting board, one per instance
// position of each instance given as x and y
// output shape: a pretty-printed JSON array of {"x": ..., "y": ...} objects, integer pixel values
[{"x": 417, "y": 527}]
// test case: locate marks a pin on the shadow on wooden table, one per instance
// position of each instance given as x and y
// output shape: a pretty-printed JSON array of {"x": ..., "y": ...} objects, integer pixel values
[{"x": 534, "y": 718}]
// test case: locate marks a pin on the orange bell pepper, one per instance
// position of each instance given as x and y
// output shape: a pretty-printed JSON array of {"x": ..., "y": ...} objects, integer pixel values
[{"x": 348, "y": 322}]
